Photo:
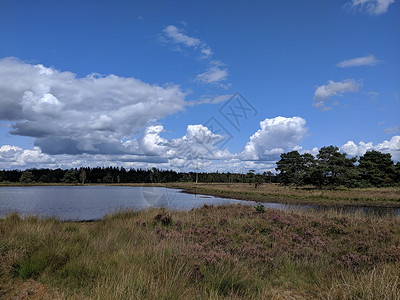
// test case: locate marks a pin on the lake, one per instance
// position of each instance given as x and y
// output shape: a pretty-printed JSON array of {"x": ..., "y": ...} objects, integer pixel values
[
  {"x": 93, "y": 202},
  {"x": 83, "y": 203}
]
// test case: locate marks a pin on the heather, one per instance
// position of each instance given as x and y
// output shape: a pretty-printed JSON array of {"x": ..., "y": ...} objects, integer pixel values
[{"x": 226, "y": 252}]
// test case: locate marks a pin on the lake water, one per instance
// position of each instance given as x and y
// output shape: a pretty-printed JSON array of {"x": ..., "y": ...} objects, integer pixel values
[
  {"x": 93, "y": 202},
  {"x": 81, "y": 203}
]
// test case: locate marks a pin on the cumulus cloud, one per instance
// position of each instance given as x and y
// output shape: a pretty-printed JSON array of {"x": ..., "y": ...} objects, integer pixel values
[
  {"x": 196, "y": 149},
  {"x": 275, "y": 136},
  {"x": 151, "y": 142},
  {"x": 177, "y": 36},
  {"x": 391, "y": 146},
  {"x": 324, "y": 92},
  {"x": 353, "y": 149},
  {"x": 16, "y": 157},
  {"x": 70, "y": 115},
  {"x": 369, "y": 60},
  {"x": 373, "y": 7},
  {"x": 198, "y": 144}
]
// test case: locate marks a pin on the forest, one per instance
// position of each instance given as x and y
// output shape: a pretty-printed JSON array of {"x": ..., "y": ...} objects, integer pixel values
[{"x": 329, "y": 168}]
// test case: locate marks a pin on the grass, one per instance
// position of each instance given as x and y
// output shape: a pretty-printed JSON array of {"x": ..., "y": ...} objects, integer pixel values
[
  {"x": 374, "y": 197},
  {"x": 226, "y": 252}
]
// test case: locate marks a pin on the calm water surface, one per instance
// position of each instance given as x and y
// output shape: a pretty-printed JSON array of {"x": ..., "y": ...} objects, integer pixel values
[{"x": 93, "y": 202}]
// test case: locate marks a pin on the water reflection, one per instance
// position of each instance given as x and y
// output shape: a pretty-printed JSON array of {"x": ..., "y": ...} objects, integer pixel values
[{"x": 93, "y": 202}]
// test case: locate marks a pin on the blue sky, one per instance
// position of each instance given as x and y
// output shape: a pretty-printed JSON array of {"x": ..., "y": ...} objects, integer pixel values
[{"x": 147, "y": 83}]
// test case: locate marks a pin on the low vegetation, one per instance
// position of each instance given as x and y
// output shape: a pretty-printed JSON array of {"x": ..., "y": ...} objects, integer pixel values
[
  {"x": 232, "y": 252},
  {"x": 340, "y": 197}
]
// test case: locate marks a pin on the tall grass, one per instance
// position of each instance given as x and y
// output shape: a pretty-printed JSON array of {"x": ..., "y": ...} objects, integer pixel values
[{"x": 229, "y": 252}]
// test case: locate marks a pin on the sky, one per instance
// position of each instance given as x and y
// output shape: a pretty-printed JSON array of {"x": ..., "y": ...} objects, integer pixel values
[{"x": 210, "y": 85}]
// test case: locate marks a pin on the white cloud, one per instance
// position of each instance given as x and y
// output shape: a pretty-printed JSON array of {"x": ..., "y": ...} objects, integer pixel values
[
  {"x": 353, "y": 149},
  {"x": 66, "y": 114},
  {"x": 213, "y": 75},
  {"x": 336, "y": 89},
  {"x": 206, "y": 51},
  {"x": 151, "y": 142},
  {"x": 324, "y": 92},
  {"x": 210, "y": 99},
  {"x": 391, "y": 146},
  {"x": 197, "y": 148},
  {"x": 198, "y": 142},
  {"x": 369, "y": 60},
  {"x": 16, "y": 157},
  {"x": 216, "y": 71},
  {"x": 176, "y": 35},
  {"x": 276, "y": 135},
  {"x": 393, "y": 129},
  {"x": 373, "y": 7}
]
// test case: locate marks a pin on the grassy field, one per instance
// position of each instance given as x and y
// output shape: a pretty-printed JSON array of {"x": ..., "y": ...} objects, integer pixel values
[
  {"x": 380, "y": 197},
  {"x": 227, "y": 252}
]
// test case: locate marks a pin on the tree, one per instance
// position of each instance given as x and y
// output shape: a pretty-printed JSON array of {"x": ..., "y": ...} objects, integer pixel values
[
  {"x": 44, "y": 178},
  {"x": 154, "y": 175},
  {"x": 70, "y": 177},
  {"x": 258, "y": 180},
  {"x": 289, "y": 167},
  {"x": 250, "y": 176},
  {"x": 269, "y": 176},
  {"x": 108, "y": 178},
  {"x": 397, "y": 175},
  {"x": 333, "y": 168},
  {"x": 377, "y": 168},
  {"x": 293, "y": 167},
  {"x": 187, "y": 178},
  {"x": 26, "y": 177},
  {"x": 82, "y": 176}
]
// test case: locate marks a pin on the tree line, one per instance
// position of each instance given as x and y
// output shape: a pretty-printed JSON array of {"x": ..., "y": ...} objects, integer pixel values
[
  {"x": 122, "y": 175},
  {"x": 330, "y": 168}
]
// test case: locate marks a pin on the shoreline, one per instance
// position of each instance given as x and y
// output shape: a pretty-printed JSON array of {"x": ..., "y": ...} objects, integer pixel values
[
  {"x": 271, "y": 193},
  {"x": 255, "y": 196}
]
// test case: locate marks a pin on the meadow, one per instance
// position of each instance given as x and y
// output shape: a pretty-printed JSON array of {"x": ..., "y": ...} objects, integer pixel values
[
  {"x": 341, "y": 196},
  {"x": 226, "y": 252}
]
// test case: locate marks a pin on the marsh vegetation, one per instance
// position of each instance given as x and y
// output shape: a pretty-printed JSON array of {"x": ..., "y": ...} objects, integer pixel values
[
  {"x": 232, "y": 252},
  {"x": 370, "y": 197}
]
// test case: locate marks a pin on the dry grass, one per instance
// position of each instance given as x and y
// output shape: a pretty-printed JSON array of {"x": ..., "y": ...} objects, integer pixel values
[
  {"x": 227, "y": 252},
  {"x": 384, "y": 197}
]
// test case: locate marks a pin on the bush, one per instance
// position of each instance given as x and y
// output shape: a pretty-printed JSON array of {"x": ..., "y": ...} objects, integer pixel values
[
  {"x": 164, "y": 218},
  {"x": 260, "y": 208}
]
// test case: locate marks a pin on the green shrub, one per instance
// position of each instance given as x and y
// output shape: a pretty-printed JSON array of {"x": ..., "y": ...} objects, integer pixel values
[{"x": 260, "y": 208}]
